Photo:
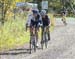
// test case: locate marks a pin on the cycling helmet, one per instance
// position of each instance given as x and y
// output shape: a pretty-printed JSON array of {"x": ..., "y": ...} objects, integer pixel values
[
  {"x": 43, "y": 12},
  {"x": 35, "y": 11}
]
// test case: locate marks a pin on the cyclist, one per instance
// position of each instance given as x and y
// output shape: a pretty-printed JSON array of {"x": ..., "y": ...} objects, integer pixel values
[
  {"x": 64, "y": 17},
  {"x": 34, "y": 21},
  {"x": 45, "y": 22}
]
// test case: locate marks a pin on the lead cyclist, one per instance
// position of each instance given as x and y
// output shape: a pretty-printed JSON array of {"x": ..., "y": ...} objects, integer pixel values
[{"x": 34, "y": 21}]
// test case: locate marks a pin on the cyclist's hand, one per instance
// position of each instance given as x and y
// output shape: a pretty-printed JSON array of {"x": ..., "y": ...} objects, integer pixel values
[{"x": 39, "y": 24}]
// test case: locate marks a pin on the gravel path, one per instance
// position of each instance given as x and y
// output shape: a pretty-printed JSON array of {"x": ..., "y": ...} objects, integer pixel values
[{"x": 61, "y": 46}]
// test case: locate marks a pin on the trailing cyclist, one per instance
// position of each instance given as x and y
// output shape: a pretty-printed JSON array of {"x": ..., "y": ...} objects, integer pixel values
[
  {"x": 64, "y": 17},
  {"x": 45, "y": 23},
  {"x": 33, "y": 22}
]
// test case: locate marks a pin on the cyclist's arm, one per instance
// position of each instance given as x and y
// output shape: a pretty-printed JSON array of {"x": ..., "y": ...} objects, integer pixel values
[
  {"x": 28, "y": 21},
  {"x": 39, "y": 20},
  {"x": 48, "y": 20}
]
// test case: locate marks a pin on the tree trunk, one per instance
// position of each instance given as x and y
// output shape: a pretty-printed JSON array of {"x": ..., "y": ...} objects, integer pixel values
[{"x": 2, "y": 20}]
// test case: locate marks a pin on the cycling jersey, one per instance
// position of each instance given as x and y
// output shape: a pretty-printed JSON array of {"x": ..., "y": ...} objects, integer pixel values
[
  {"x": 45, "y": 21},
  {"x": 34, "y": 21}
]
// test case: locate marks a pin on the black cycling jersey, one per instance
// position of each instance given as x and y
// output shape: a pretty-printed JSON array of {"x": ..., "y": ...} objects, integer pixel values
[
  {"x": 36, "y": 21},
  {"x": 45, "y": 21}
]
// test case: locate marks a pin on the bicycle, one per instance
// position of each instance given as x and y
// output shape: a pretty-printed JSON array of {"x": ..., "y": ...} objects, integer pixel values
[
  {"x": 33, "y": 40},
  {"x": 64, "y": 21},
  {"x": 44, "y": 40}
]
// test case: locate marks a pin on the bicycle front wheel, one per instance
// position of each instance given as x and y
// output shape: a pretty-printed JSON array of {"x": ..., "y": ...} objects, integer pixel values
[{"x": 46, "y": 40}]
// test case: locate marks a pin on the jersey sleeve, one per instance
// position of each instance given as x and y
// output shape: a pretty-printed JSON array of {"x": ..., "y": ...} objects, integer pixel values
[
  {"x": 28, "y": 20},
  {"x": 40, "y": 19},
  {"x": 48, "y": 19}
]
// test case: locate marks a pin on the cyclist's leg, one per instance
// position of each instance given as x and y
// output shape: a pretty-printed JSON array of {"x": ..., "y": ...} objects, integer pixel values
[
  {"x": 48, "y": 31},
  {"x": 64, "y": 20},
  {"x": 31, "y": 34},
  {"x": 33, "y": 41},
  {"x": 42, "y": 41},
  {"x": 36, "y": 33}
]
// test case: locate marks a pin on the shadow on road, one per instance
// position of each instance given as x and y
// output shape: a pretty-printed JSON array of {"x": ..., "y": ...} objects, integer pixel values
[
  {"x": 19, "y": 49},
  {"x": 16, "y": 52}
]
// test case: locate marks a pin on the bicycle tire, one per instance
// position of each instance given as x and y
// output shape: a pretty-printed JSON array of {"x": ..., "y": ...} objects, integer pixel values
[
  {"x": 65, "y": 23},
  {"x": 31, "y": 44},
  {"x": 30, "y": 47},
  {"x": 42, "y": 44},
  {"x": 46, "y": 44},
  {"x": 34, "y": 45},
  {"x": 46, "y": 40}
]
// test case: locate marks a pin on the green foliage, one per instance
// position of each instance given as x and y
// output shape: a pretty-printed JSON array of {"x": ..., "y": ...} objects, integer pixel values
[{"x": 13, "y": 34}]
